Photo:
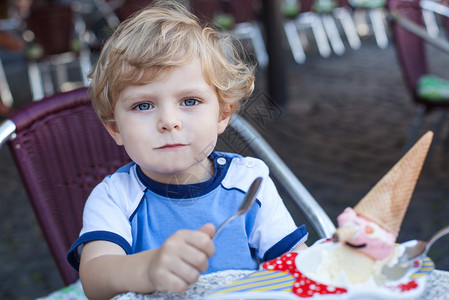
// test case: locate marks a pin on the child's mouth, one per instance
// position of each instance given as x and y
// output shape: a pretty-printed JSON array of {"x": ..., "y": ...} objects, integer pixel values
[{"x": 171, "y": 147}]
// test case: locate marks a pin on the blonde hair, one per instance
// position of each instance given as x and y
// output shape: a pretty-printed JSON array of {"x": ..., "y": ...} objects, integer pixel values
[{"x": 163, "y": 36}]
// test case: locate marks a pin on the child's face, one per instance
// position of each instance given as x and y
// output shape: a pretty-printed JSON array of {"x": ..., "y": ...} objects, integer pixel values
[{"x": 170, "y": 126}]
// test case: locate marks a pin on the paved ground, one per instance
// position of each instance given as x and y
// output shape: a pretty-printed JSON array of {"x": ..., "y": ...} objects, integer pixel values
[{"x": 344, "y": 127}]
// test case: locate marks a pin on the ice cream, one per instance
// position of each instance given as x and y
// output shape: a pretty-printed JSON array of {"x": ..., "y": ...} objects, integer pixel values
[
  {"x": 365, "y": 239},
  {"x": 364, "y": 235}
]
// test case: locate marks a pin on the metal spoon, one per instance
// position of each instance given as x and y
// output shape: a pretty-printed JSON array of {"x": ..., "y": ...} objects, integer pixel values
[
  {"x": 416, "y": 248},
  {"x": 246, "y": 204}
]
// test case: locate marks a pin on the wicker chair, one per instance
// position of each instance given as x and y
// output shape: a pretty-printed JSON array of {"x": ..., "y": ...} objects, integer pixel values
[{"x": 61, "y": 151}]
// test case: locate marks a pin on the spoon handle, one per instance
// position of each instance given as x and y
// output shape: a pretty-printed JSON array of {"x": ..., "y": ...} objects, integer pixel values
[
  {"x": 437, "y": 235},
  {"x": 246, "y": 204},
  {"x": 220, "y": 228}
]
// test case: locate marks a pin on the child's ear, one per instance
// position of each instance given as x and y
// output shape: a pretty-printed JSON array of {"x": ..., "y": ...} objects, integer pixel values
[
  {"x": 225, "y": 116},
  {"x": 111, "y": 127}
]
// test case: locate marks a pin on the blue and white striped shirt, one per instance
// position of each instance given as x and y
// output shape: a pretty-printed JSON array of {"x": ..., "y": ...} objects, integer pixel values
[{"x": 137, "y": 213}]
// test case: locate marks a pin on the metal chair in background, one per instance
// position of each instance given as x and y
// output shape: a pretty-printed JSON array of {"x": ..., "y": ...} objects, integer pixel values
[
  {"x": 238, "y": 16},
  {"x": 325, "y": 10},
  {"x": 62, "y": 151},
  {"x": 55, "y": 38},
  {"x": 411, "y": 38},
  {"x": 295, "y": 26},
  {"x": 371, "y": 15},
  {"x": 5, "y": 92},
  {"x": 10, "y": 42},
  {"x": 248, "y": 28},
  {"x": 343, "y": 13},
  {"x": 321, "y": 17},
  {"x": 431, "y": 9}
]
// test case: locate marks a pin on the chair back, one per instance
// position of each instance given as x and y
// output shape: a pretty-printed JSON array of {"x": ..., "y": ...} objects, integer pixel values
[
  {"x": 53, "y": 27},
  {"x": 62, "y": 151},
  {"x": 243, "y": 10},
  {"x": 129, "y": 7},
  {"x": 306, "y": 5},
  {"x": 410, "y": 49},
  {"x": 446, "y": 25},
  {"x": 205, "y": 10}
]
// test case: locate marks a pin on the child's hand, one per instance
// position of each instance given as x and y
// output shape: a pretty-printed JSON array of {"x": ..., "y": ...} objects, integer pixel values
[
  {"x": 180, "y": 260},
  {"x": 106, "y": 270}
]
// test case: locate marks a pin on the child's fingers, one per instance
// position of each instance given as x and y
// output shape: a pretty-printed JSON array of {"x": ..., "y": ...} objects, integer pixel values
[
  {"x": 187, "y": 271},
  {"x": 172, "y": 271},
  {"x": 192, "y": 246},
  {"x": 201, "y": 239},
  {"x": 171, "y": 282},
  {"x": 208, "y": 228},
  {"x": 195, "y": 257}
]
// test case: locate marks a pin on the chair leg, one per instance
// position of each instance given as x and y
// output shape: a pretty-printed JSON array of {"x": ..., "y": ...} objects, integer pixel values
[
  {"x": 37, "y": 86},
  {"x": 320, "y": 35},
  {"x": 380, "y": 33},
  {"x": 332, "y": 33},
  {"x": 294, "y": 42},
  {"x": 252, "y": 31},
  {"x": 259, "y": 46},
  {"x": 429, "y": 9},
  {"x": 5, "y": 92},
  {"x": 438, "y": 127},
  {"x": 47, "y": 79},
  {"x": 446, "y": 140},
  {"x": 422, "y": 111},
  {"x": 107, "y": 11},
  {"x": 85, "y": 65},
  {"x": 61, "y": 75},
  {"x": 431, "y": 23},
  {"x": 348, "y": 26}
]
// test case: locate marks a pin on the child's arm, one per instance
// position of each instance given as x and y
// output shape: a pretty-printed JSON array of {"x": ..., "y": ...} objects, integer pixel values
[{"x": 105, "y": 269}]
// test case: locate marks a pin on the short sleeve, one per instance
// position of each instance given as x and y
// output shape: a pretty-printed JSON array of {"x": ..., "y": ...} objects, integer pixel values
[
  {"x": 275, "y": 231},
  {"x": 106, "y": 214}
]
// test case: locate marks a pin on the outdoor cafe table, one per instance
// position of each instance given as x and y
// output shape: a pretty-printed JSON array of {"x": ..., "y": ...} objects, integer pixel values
[{"x": 437, "y": 287}]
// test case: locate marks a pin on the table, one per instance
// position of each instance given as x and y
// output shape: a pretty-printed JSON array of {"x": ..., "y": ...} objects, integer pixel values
[{"x": 437, "y": 287}]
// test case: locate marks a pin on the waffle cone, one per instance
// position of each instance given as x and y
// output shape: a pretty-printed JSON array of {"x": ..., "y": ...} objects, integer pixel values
[
  {"x": 387, "y": 202},
  {"x": 345, "y": 233}
]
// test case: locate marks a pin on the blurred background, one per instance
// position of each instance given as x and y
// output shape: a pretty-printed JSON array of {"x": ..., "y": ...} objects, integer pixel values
[{"x": 339, "y": 97}]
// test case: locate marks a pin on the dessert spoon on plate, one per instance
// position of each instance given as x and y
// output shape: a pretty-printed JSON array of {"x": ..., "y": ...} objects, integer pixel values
[
  {"x": 415, "y": 248},
  {"x": 412, "y": 250}
]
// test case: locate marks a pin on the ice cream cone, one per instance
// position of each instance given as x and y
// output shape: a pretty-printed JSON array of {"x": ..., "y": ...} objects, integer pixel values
[
  {"x": 345, "y": 233},
  {"x": 387, "y": 202}
]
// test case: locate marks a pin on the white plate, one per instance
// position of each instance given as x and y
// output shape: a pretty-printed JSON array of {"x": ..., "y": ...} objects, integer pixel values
[{"x": 410, "y": 282}]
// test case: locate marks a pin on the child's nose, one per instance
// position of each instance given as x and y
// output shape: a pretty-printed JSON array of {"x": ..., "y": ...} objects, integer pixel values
[{"x": 169, "y": 121}]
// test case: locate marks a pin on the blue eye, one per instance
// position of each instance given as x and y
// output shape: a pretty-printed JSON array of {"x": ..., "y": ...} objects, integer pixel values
[
  {"x": 143, "y": 106},
  {"x": 190, "y": 102}
]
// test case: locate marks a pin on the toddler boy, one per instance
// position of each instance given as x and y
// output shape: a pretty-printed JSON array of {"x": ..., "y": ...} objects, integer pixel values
[{"x": 165, "y": 88}]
